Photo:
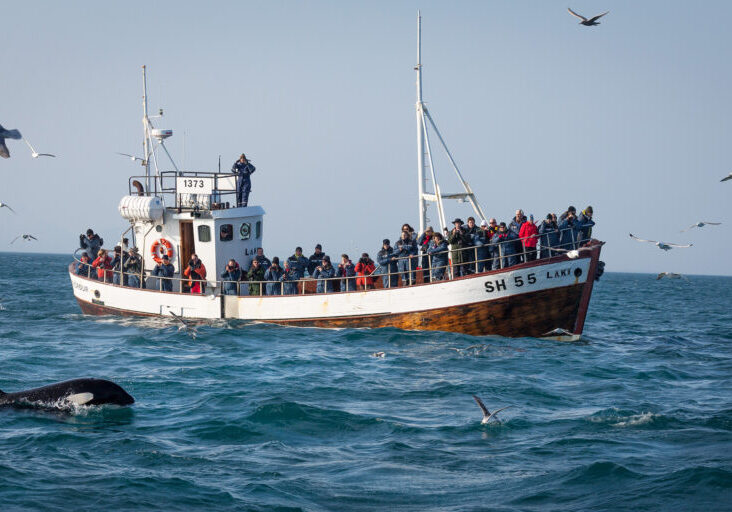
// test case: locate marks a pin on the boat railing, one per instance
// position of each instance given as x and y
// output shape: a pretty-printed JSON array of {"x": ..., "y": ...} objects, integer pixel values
[
  {"x": 190, "y": 190},
  {"x": 410, "y": 270}
]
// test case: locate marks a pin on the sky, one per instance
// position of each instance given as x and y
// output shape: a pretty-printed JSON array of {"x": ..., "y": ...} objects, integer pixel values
[{"x": 632, "y": 117}]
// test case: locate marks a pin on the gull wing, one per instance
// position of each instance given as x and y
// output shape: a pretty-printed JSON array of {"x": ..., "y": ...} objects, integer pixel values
[
  {"x": 687, "y": 229},
  {"x": 677, "y": 245},
  {"x": 31, "y": 236},
  {"x": 3, "y": 205},
  {"x": 576, "y": 15},
  {"x": 642, "y": 239},
  {"x": 486, "y": 412},
  {"x": 181, "y": 319},
  {"x": 130, "y": 156},
  {"x": 14, "y": 239},
  {"x": 598, "y": 16},
  {"x": 46, "y": 154},
  {"x": 33, "y": 150},
  {"x": 728, "y": 177},
  {"x": 712, "y": 223},
  {"x": 497, "y": 411}
]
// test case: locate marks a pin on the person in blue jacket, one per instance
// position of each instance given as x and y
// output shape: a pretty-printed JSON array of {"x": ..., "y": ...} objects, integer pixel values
[
  {"x": 323, "y": 273},
  {"x": 347, "y": 270},
  {"x": 243, "y": 170},
  {"x": 548, "y": 235},
  {"x": 405, "y": 249},
  {"x": 568, "y": 232},
  {"x": 480, "y": 240},
  {"x": 585, "y": 222},
  {"x": 230, "y": 278},
  {"x": 387, "y": 261},
  {"x": 164, "y": 269},
  {"x": 272, "y": 276},
  {"x": 262, "y": 259},
  {"x": 298, "y": 262},
  {"x": 438, "y": 255},
  {"x": 289, "y": 279},
  {"x": 84, "y": 268},
  {"x": 505, "y": 242},
  {"x": 423, "y": 244}
]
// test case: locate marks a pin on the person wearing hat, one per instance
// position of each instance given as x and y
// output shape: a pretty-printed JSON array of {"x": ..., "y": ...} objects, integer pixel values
[
  {"x": 132, "y": 267},
  {"x": 585, "y": 225},
  {"x": 529, "y": 235},
  {"x": 515, "y": 226},
  {"x": 570, "y": 209},
  {"x": 568, "y": 232},
  {"x": 298, "y": 262},
  {"x": 272, "y": 276},
  {"x": 164, "y": 270},
  {"x": 243, "y": 170},
  {"x": 437, "y": 253},
  {"x": 364, "y": 268},
  {"x": 459, "y": 241},
  {"x": 118, "y": 261},
  {"x": 255, "y": 275},
  {"x": 470, "y": 255},
  {"x": 263, "y": 260},
  {"x": 548, "y": 235},
  {"x": 423, "y": 244},
  {"x": 347, "y": 271},
  {"x": 387, "y": 262},
  {"x": 315, "y": 259},
  {"x": 324, "y": 274},
  {"x": 230, "y": 278},
  {"x": 196, "y": 273},
  {"x": 289, "y": 279},
  {"x": 91, "y": 242},
  {"x": 480, "y": 241}
]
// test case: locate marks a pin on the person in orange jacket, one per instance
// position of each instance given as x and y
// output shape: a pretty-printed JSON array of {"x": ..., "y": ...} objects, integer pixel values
[
  {"x": 103, "y": 264},
  {"x": 364, "y": 268},
  {"x": 195, "y": 272}
]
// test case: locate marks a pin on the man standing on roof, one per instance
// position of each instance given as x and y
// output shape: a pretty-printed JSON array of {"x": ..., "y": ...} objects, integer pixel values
[{"x": 243, "y": 170}]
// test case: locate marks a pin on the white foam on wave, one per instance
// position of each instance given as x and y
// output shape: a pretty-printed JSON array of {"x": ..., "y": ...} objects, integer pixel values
[{"x": 636, "y": 419}]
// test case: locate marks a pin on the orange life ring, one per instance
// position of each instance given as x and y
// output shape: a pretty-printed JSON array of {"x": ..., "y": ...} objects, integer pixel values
[{"x": 160, "y": 248}]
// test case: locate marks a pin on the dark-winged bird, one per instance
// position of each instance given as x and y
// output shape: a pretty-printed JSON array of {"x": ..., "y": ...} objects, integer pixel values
[
  {"x": 487, "y": 415},
  {"x": 25, "y": 237},
  {"x": 588, "y": 22},
  {"x": 7, "y": 134}
]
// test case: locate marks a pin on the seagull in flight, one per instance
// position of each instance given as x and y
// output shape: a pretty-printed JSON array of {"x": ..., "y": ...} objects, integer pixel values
[
  {"x": 660, "y": 245},
  {"x": 487, "y": 415},
  {"x": 574, "y": 253},
  {"x": 701, "y": 225},
  {"x": 133, "y": 157},
  {"x": 7, "y": 134},
  {"x": 34, "y": 153},
  {"x": 25, "y": 237},
  {"x": 587, "y": 22},
  {"x": 6, "y": 205},
  {"x": 728, "y": 177},
  {"x": 186, "y": 325}
]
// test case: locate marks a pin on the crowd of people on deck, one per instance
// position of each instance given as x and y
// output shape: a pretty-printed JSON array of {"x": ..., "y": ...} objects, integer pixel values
[{"x": 466, "y": 249}]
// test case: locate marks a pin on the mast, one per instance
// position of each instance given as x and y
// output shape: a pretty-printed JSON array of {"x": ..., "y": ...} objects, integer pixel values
[
  {"x": 146, "y": 128},
  {"x": 420, "y": 131}
]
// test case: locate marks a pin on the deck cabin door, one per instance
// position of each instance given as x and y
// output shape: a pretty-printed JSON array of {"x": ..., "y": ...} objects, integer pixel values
[{"x": 187, "y": 244}]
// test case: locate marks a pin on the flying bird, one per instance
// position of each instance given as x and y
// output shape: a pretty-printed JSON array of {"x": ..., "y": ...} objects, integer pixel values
[
  {"x": 701, "y": 225},
  {"x": 186, "y": 325},
  {"x": 728, "y": 177},
  {"x": 573, "y": 253},
  {"x": 25, "y": 237},
  {"x": 36, "y": 154},
  {"x": 587, "y": 22},
  {"x": 6, "y": 205},
  {"x": 660, "y": 245},
  {"x": 558, "y": 332},
  {"x": 7, "y": 134},
  {"x": 487, "y": 415},
  {"x": 133, "y": 158}
]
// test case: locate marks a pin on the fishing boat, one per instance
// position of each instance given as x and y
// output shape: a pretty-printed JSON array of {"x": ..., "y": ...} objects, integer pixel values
[{"x": 178, "y": 213}]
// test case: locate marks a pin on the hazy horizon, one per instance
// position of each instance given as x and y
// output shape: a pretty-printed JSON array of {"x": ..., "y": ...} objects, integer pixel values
[{"x": 632, "y": 116}]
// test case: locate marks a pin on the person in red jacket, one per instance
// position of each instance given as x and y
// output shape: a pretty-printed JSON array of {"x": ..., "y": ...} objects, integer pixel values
[
  {"x": 364, "y": 268},
  {"x": 529, "y": 235},
  {"x": 195, "y": 272},
  {"x": 103, "y": 264}
]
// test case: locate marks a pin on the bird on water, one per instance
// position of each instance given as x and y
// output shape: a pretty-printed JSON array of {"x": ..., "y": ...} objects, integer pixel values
[{"x": 487, "y": 415}]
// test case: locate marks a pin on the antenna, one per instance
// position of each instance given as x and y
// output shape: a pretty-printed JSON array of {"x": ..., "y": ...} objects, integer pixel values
[
  {"x": 145, "y": 127},
  {"x": 420, "y": 131}
]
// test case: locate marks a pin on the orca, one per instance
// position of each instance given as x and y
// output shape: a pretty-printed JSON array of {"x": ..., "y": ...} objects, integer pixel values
[{"x": 70, "y": 392}]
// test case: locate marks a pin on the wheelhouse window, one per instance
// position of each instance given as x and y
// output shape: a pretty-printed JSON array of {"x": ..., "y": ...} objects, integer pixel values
[
  {"x": 204, "y": 233},
  {"x": 258, "y": 233},
  {"x": 226, "y": 232}
]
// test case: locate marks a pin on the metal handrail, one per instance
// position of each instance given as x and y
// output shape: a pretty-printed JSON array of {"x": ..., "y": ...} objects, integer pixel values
[{"x": 448, "y": 272}]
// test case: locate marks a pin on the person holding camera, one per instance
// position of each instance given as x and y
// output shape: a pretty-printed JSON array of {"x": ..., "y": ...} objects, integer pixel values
[
  {"x": 364, "y": 268},
  {"x": 196, "y": 273},
  {"x": 132, "y": 267},
  {"x": 289, "y": 279},
  {"x": 438, "y": 254},
  {"x": 347, "y": 270},
  {"x": 323, "y": 273},
  {"x": 103, "y": 264},
  {"x": 91, "y": 241},
  {"x": 299, "y": 263},
  {"x": 84, "y": 268},
  {"x": 243, "y": 170},
  {"x": 255, "y": 275},
  {"x": 164, "y": 271},
  {"x": 272, "y": 276},
  {"x": 405, "y": 250},
  {"x": 230, "y": 278},
  {"x": 315, "y": 259},
  {"x": 458, "y": 240},
  {"x": 387, "y": 261},
  {"x": 423, "y": 244}
]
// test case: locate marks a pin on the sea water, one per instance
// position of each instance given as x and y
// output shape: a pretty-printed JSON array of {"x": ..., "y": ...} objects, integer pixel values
[{"x": 638, "y": 416}]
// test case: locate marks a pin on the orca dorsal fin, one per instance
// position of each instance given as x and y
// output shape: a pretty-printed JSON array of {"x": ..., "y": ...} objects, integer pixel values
[{"x": 2, "y": 393}]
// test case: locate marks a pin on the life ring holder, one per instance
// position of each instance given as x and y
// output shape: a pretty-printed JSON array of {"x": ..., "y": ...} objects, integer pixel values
[{"x": 161, "y": 248}]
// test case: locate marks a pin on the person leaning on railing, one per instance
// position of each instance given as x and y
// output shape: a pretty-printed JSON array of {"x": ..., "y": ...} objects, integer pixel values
[
  {"x": 255, "y": 275},
  {"x": 387, "y": 261},
  {"x": 230, "y": 278},
  {"x": 132, "y": 267},
  {"x": 196, "y": 273},
  {"x": 117, "y": 262},
  {"x": 347, "y": 271},
  {"x": 84, "y": 268},
  {"x": 438, "y": 256},
  {"x": 548, "y": 235},
  {"x": 364, "y": 268},
  {"x": 469, "y": 255},
  {"x": 481, "y": 238},
  {"x": 103, "y": 264},
  {"x": 289, "y": 279},
  {"x": 405, "y": 249},
  {"x": 272, "y": 275},
  {"x": 585, "y": 225},
  {"x": 164, "y": 271},
  {"x": 505, "y": 241},
  {"x": 568, "y": 232},
  {"x": 324, "y": 273},
  {"x": 423, "y": 244}
]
